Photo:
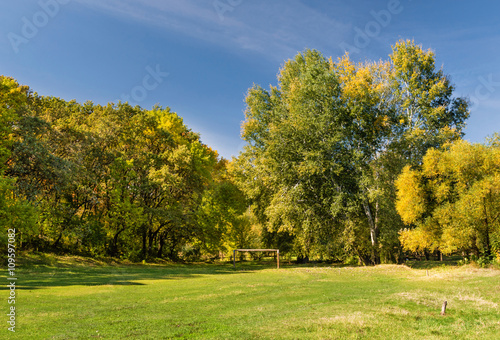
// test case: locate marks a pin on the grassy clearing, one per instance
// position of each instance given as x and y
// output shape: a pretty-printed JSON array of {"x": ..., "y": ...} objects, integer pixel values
[{"x": 76, "y": 298}]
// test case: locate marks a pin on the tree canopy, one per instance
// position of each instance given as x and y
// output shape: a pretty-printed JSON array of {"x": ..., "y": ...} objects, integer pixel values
[
  {"x": 325, "y": 146},
  {"x": 345, "y": 161}
]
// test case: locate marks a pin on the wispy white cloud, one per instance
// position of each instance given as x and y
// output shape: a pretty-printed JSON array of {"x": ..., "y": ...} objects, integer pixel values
[{"x": 275, "y": 29}]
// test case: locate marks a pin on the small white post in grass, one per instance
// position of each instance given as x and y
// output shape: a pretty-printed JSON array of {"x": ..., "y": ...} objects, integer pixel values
[{"x": 443, "y": 308}]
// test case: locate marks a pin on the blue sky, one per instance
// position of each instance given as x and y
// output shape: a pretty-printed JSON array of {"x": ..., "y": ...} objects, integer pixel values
[{"x": 199, "y": 57}]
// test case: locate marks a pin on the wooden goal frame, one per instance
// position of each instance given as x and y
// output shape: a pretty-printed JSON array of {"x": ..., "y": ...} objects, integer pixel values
[{"x": 262, "y": 250}]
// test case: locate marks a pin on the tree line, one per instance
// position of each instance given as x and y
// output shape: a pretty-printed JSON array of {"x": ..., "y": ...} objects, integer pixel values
[
  {"x": 343, "y": 161},
  {"x": 110, "y": 180}
]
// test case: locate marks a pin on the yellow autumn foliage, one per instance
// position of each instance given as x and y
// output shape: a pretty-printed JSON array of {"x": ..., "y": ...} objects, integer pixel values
[
  {"x": 457, "y": 188},
  {"x": 410, "y": 203}
]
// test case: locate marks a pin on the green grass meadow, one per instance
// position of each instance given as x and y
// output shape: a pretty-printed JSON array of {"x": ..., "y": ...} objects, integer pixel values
[{"x": 76, "y": 298}]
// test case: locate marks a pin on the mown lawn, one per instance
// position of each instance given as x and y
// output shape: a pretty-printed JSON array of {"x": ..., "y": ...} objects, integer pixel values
[{"x": 74, "y": 298}]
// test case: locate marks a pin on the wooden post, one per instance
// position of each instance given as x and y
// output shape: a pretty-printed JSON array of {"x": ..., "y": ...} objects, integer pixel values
[
  {"x": 443, "y": 308},
  {"x": 234, "y": 259},
  {"x": 278, "y": 259}
]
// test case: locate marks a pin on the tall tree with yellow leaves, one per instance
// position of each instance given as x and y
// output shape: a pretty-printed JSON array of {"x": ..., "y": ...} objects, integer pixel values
[{"x": 452, "y": 202}]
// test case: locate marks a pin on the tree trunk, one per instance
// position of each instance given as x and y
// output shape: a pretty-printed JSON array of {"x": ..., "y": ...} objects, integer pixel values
[
  {"x": 172, "y": 254},
  {"x": 487, "y": 245},
  {"x": 144, "y": 238},
  {"x": 114, "y": 245},
  {"x": 475, "y": 249},
  {"x": 364, "y": 259},
  {"x": 439, "y": 255},
  {"x": 372, "y": 222},
  {"x": 56, "y": 243},
  {"x": 151, "y": 239},
  {"x": 161, "y": 243}
]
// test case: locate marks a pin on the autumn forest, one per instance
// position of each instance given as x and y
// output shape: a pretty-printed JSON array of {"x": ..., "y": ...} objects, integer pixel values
[{"x": 343, "y": 161}]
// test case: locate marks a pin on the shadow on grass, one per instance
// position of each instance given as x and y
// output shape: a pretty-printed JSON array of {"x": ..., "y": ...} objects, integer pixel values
[
  {"x": 57, "y": 274},
  {"x": 39, "y": 275},
  {"x": 36, "y": 271},
  {"x": 430, "y": 264}
]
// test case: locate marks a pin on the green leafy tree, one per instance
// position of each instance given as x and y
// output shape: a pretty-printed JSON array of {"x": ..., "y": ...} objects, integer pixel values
[
  {"x": 325, "y": 147},
  {"x": 223, "y": 225},
  {"x": 15, "y": 211},
  {"x": 298, "y": 163}
]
